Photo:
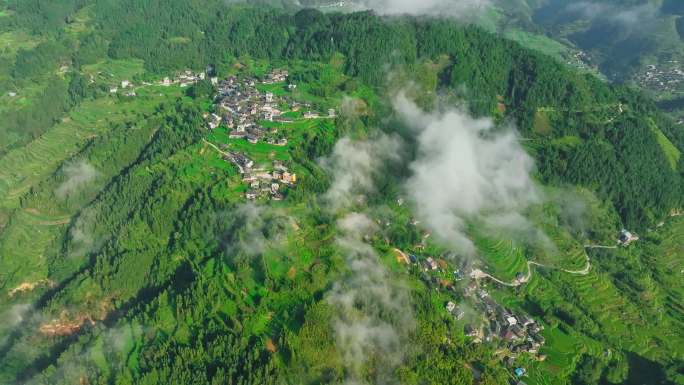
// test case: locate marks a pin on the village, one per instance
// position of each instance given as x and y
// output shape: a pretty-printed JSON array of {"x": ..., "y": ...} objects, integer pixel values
[
  {"x": 484, "y": 320},
  {"x": 666, "y": 78},
  {"x": 240, "y": 106}
]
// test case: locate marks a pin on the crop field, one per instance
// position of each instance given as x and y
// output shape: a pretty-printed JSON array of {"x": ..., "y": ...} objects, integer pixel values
[
  {"x": 671, "y": 152},
  {"x": 80, "y": 20},
  {"x": 23, "y": 167},
  {"x": 503, "y": 258},
  {"x": 32, "y": 233},
  {"x": 114, "y": 71},
  {"x": 24, "y": 245},
  {"x": 539, "y": 43},
  {"x": 667, "y": 262},
  {"x": 12, "y": 41}
]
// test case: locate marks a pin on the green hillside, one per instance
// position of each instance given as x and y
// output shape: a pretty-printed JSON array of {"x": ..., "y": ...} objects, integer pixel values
[{"x": 206, "y": 193}]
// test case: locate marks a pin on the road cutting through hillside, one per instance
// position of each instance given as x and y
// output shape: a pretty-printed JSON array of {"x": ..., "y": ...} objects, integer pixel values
[{"x": 479, "y": 274}]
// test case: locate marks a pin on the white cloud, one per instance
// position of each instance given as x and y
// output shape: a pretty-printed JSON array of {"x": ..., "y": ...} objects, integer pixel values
[
  {"x": 466, "y": 169},
  {"x": 373, "y": 314},
  {"x": 78, "y": 175},
  {"x": 452, "y": 8},
  {"x": 629, "y": 17},
  {"x": 354, "y": 165}
]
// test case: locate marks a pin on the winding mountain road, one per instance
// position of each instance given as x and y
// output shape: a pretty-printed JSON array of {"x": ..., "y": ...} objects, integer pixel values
[{"x": 479, "y": 274}]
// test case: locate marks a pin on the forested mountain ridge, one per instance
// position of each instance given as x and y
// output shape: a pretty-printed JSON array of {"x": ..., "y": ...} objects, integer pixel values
[
  {"x": 129, "y": 255},
  {"x": 633, "y": 42},
  {"x": 531, "y": 89}
]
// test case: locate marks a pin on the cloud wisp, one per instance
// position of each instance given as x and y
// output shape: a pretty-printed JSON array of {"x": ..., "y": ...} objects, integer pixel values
[
  {"x": 77, "y": 175},
  {"x": 354, "y": 165},
  {"x": 466, "y": 170},
  {"x": 630, "y": 18},
  {"x": 449, "y": 8},
  {"x": 373, "y": 313}
]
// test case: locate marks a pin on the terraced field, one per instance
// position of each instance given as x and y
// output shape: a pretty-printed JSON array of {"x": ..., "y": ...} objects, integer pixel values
[
  {"x": 31, "y": 234},
  {"x": 504, "y": 260},
  {"x": 621, "y": 319},
  {"x": 114, "y": 71},
  {"x": 22, "y": 168},
  {"x": 24, "y": 244},
  {"x": 667, "y": 261}
]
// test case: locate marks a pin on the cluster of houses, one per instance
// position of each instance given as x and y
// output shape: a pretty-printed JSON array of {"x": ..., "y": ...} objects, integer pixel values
[
  {"x": 515, "y": 332},
  {"x": 240, "y": 106},
  {"x": 262, "y": 183},
  {"x": 186, "y": 79},
  {"x": 518, "y": 333},
  {"x": 580, "y": 59},
  {"x": 126, "y": 87},
  {"x": 667, "y": 78}
]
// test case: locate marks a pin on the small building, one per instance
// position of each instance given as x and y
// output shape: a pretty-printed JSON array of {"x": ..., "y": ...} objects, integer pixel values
[
  {"x": 11, "y": 94},
  {"x": 281, "y": 142},
  {"x": 237, "y": 134},
  {"x": 310, "y": 115},
  {"x": 450, "y": 306},
  {"x": 289, "y": 178},
  {"x": 431, "y": 264},
  {"x": 495, "y": 327},
  {"x": 511, "y": 320},
  {"x": 125, "y": 83},
  {"x": 518, "y": 331},
  {"x": 626, "y": 237},
  {"x": 519, "y": 372},
  {"x": 508, "y": 335},
  {"x": 251, "y": 194},
  {"x": 113, "y": 90},
  {"x": 538, "y": 338},
  {"x": 331, "y": 113},
  {"x": 526, "y": 320},
  {"x": 520, "y": 277}
]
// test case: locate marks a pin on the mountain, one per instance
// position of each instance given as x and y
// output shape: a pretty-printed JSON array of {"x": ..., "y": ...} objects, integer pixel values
[
  {"x": 633, "y": 42},
  {"x": 196, "y": 192}
]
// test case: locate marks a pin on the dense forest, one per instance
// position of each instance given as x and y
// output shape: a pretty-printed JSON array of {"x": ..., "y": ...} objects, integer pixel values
[
  {"x": 172, "y": 279},
  {"x": 616, "y": 143}
]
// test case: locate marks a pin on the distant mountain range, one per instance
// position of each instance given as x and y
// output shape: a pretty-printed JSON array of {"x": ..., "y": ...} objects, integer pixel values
[{"x": 631, "y": 41}]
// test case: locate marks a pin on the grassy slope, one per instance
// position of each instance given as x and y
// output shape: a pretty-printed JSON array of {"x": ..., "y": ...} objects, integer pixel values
[{"x": 34, "y": 232}]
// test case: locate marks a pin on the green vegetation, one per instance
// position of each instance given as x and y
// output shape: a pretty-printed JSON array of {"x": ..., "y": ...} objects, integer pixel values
[
  {"x": 128, "y": 254},
  {"x": 671, "y": 152},
  {"x": 539, "y": 43}
]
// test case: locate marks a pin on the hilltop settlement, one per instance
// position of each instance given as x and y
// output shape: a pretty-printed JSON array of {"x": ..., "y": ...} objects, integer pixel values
[{"x": 243, "y": 109}]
